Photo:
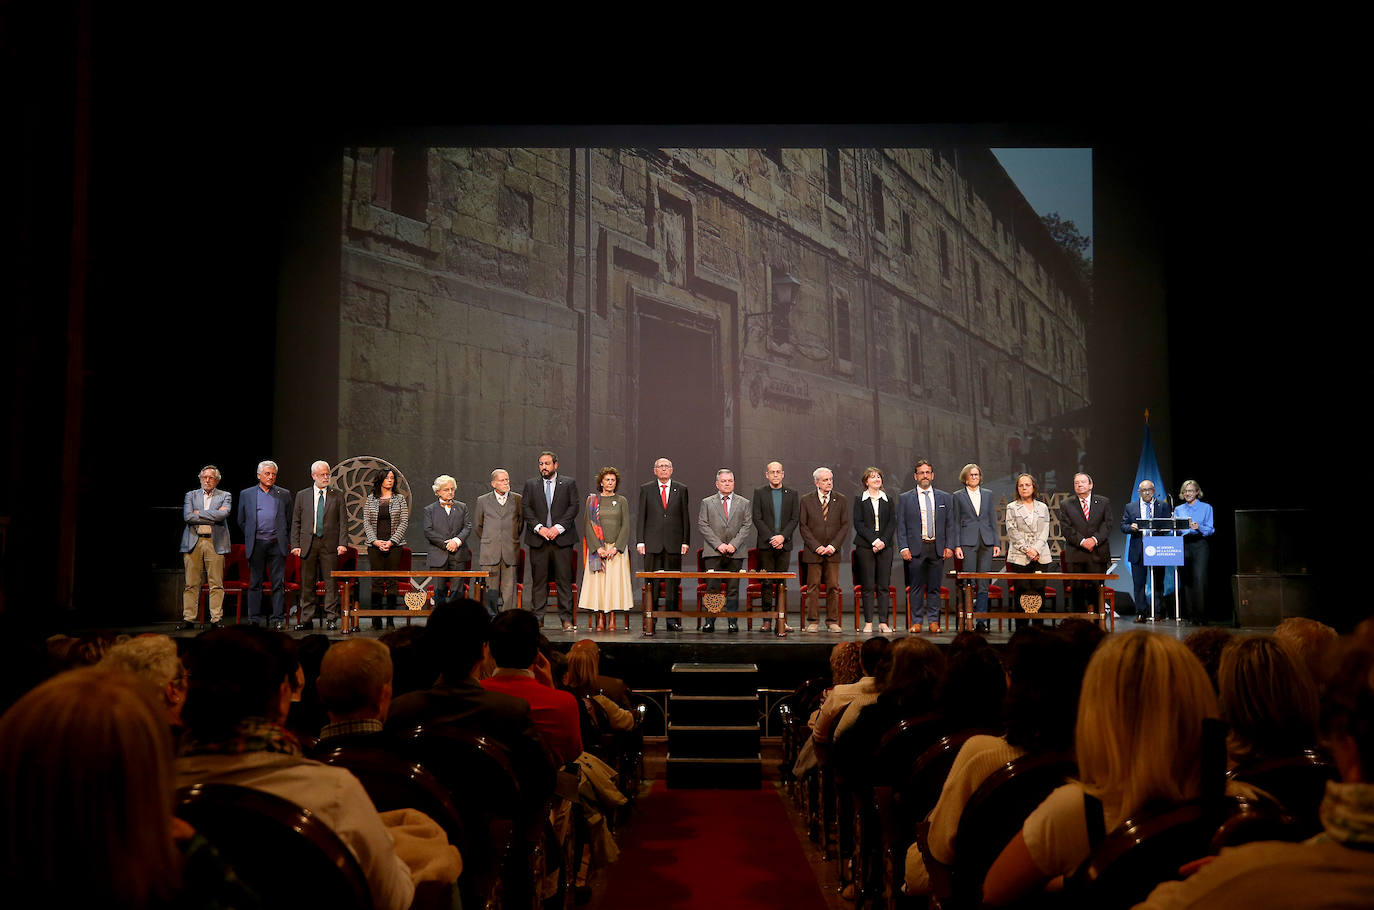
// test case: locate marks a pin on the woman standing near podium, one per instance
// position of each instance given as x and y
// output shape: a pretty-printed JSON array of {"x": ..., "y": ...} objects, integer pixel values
[
  {"x": 1195, "y": 551},
  {"x": 1028, "y": 542}
]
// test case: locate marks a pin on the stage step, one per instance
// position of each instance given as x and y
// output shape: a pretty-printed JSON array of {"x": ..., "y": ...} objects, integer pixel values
[
  {"x": 745, "y": 773},
  {"x": 714, "y": 709},
  {"x": 713, "y": 734}
]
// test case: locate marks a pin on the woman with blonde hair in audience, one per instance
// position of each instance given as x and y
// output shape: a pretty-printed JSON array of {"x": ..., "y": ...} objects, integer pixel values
[
  {"x": 1139, "y": 745},
  {"x": 583, "y": 667},
  {"x": 1268, "y": 699},
  {"x": 86, "y": 801}
]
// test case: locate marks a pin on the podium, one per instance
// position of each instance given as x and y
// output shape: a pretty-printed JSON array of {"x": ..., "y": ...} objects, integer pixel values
[{"x": 1161, "y": 545}]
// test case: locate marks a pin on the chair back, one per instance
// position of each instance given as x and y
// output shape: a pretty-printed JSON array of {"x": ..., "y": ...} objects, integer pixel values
[
  {"x": 916, "y": 794},
  {"x": 396, "y": 782},
  {"x": 903, "y": 743},
  {"x": 995, "y": 813},
  {"x": 1297, "y": 783},
  {"x": 283, "y": 852}
]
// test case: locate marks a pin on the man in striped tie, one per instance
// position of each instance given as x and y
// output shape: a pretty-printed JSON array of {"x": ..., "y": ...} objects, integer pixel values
[{"x": 1087, "y": 522}]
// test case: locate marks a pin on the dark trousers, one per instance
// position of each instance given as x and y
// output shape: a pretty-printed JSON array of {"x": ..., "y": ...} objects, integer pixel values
[
  {"x": 377, "y": 561},
  {"x": 1075, "y": 559},
  {"x": 978, "y": 558},
  {"x": 319, "y": 565},
  {"x": 1194, "y": 577},
  {"x": 668, "y": 561},
  {"x": 447, "y": 590},
  {"x": 558, "y": 561},
  {"x": 723, "y": 564},
  {"x": 924, "y": 575},
  {"x": 771, "y": 560},
  {"x": 874, "y": 571},
  {"x": 1019, "y": 587},
  {"x": 269, "y": 559},
  {"x": 1140, "y": 575}
]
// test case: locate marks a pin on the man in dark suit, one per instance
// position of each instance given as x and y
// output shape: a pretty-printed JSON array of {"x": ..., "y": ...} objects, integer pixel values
[
  {"x": 664, "y": 530},
  {"x": 550, "y": 504},
  {"x": 975, "y": 533},
  {"x": 724, "y": 521},
  {"x": 447, "y": 527},
  {"x": 775, "y": 514},
  {"x": 264, "y": 513},
  {"x": 924, "y": 540},
  {"x": 500, "y": 519},
  {"x": 824, "y": 521},
  {"x": 1087, "y": 523},
  {"x": 319, "y": 536},
  {"x": 1144, "y": 508}
]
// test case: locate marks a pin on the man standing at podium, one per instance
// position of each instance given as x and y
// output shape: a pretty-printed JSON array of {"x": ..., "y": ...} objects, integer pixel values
[
  {"x": 1087, "y": 523},
  {"x": 1144, "y": 508}
]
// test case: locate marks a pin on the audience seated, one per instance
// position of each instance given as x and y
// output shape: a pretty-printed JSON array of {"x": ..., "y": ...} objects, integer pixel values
[
  {"x": 873, "y": 655},
  {"x": 906, "y": 690},
  {"x": 1138, "y": 741},
  {"x": 240, "y": 692},
  {"x": 974, "y": 685},
  {"x": 1207, "y": 645},
  {"x": 1046, "y": 674},
  {"x": 1269, "y": 700},
  {"x": 307, "y": 715},
  {"x": 355, "y": 691},
  {"x": 86, "y": 802},
  {"x": 412, "y": 668},
  {"x": 612, "y": 688},
  {"x": 521, "y": 671},
  {"x": 581, "y": 680},
  {"x": 153, "y": 658},
  {"x": 1334, "y": 869},
  {"x": 1313, "y": 642}
]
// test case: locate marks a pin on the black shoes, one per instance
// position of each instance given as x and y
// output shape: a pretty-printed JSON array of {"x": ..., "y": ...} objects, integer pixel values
[
  {"x": 277, "y": 625},
  {"x": 982, "y": 626},
  {"x": 184, "y": 626},
  {"x": 331, "y": 625},
  {"x": 733, "y": 627},
  {"x": 307, "y": 626},
  {"x": 708, "y": 626}
]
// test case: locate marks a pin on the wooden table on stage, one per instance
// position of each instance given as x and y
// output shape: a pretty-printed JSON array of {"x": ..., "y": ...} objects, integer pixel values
[
  {"x": 966, "y": 617},
  {"x": 778, "y": 617},
  {"x": 351, "y": 616}
]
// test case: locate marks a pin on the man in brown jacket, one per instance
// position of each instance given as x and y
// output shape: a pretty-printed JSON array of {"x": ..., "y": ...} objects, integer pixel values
[{"x": 824, "y": 527}]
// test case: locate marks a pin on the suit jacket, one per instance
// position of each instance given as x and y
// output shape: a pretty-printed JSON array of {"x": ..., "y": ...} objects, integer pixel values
[
  {"x": 303, "y": 520},
  {"x": 766, "y": 524},
  {"x": 971, "y": 529},
  {"x": 498, "y": 528},
  {"x": 716, "y": 529},
  {"x": 1098, "y": 524},
  {"x": 830, "y": 532},
  {"x": 909, "y": 521},
  {"x": 248, "y": 515},
  {"x": 565, "y": 505},
  {"x": 1135, "y": 550},
  {"x": 663, "y": 530},
  {"x": 441, "y": 528},
  {"x": 217, "y": 518},
  {"x": 864, "y": 534}
]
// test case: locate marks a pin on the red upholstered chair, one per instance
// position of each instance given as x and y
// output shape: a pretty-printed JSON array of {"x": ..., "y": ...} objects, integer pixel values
[
  {"x": 520, "y": 578},
  {"x": 754, "y": 590},
  {"x": 821, "y": 594},
  {"x": 858, "y": 597},
  {"x": 292, "y": 585}
]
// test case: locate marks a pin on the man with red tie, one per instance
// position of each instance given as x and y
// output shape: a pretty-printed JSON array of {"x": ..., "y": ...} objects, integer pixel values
[
  {"x": 664, "y": 529},
  {"x": 1087, "y": 523}
]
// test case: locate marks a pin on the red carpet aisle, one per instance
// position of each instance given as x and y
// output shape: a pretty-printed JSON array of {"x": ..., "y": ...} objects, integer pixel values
[{"x": 713, "y": 849}]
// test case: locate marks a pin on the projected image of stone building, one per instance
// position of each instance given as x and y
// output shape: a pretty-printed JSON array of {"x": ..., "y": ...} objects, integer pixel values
[{"x": 839, "y": 307}]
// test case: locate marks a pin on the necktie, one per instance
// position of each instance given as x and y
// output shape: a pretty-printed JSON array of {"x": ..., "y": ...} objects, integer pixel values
[
  {"x": 1085, "y": 509},
  {"x": 825, "y": 509},
  {"x": 925, "y": 514},
  {"x": 663, "y": 490},
  {"x": 725, "y": 504},
  {"x": 319, "y": 512},
  {"x": 1149, "y": 513},
  {"x": 548, "y": 498}
]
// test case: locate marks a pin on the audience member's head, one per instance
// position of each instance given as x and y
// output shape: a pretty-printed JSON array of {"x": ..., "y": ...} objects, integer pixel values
[
  {"x": 974, "y": 684},
  {"x": 873, "y": 656},
  {"x": 1314, "y": 643},
  {"x": 67, "y": 653},
  {"x": 844, "y": 663},
  {"x": 915, "y": 666},
  {"x": 1207, "y": 645},
  {"x": 1045, "y": 675},
  {"x": 1348, "y": 708},
  {"x": 582, "y": 669},
  {"x": 515, "y": 640},
  {"x": 355, "y": 680},
  {"x": 237, "y": 673},
  {"x": 153, "y": 658},
  {"x": 1085, "y": 635},
  {"x": 1268, "y": 698},
  {"x": 1140, "y": 719},
  {"x": 411, "y": 669},
  {"x": 455, "y": 637},
  {"x": 86, "y": 795},
  {"x": 558, "y": 668}
]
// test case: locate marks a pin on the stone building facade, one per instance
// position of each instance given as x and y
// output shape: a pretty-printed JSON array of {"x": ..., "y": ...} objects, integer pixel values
[{"x": 839, "y": 307}]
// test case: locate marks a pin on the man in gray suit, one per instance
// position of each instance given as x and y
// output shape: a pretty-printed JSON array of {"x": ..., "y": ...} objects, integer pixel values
[
  {"x": 500, "y": 522},
  {"x": 725, "y": 524},
  {"x": 319, "y": 536},
  {"x": 204, "y": 544},
  {"x": 447, "y": 526}
]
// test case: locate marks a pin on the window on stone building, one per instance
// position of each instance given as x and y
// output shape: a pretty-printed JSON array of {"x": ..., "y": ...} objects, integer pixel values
[
  {"x": 906, "y": 231},
  {"x": 913, "y": 357},
  {"x": 1041, "y": 331},
  {"x": 780, "y": 323},
  {"x": 1030, "y": 405},
  {"x": 997, "y": 296},
  {"x": 952, "y": 371},
  {"x": 879, "y": 210},
  {"x": 843, "y": 339},
  {"x": 774, "y": 155},
  {"x": 1021, "y": 317},
  {"x": 944, "y": 253},
  {"x": 832, "y": 174},
  {"x": 977, "y": 282},
  {"x": 985, "y": 378},
  {"x": 400, "y": 181}
]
